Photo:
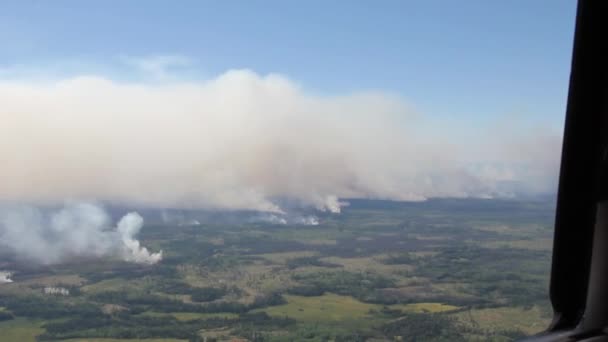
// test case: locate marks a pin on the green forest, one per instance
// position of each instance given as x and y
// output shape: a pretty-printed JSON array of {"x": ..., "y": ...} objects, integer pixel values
[{"x": 440, "y": 270}]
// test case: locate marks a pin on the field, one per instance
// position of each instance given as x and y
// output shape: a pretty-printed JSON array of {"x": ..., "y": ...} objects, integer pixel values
[
  {"x": 20, "y": 330},
  {"x": 326, "y": 308},
  {"x": 439, "y": 270},
  {"x": 344, "y": 310}
]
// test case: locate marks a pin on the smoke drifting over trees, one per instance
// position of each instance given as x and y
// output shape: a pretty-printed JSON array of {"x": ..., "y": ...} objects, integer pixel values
[
  {"x": 77, "y": 230},
  {"x": 245, "y": 141}
]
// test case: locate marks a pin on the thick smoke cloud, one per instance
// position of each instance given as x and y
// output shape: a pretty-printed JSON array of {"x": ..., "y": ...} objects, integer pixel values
[
  {"x": 77, "y": 230},
  {"x": 245, "y": 141}
]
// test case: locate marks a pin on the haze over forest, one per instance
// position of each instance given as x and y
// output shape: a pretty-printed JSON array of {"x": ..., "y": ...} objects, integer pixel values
[
  {"x": 242, "y": 140},
  {"x": 238, "y": 141}
]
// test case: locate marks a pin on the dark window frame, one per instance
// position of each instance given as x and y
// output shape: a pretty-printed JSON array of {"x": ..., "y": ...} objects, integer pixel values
[{"x": 583, "y": 188}]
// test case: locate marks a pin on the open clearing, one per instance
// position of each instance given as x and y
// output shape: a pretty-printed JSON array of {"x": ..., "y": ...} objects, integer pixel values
[
  {"x": 332, "y": 307},
  {"x": 21, "y": 330}
]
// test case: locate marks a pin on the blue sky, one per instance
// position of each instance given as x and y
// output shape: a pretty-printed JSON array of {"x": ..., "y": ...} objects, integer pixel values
[{"x": 448, "y": 58}]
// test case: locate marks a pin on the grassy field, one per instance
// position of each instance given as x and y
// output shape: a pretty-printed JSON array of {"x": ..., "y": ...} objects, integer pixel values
[
  {"x": 109, "y": 285},
  {"x": 189, "y": 316},
  {"x": 424, "y": 307},
  {"x": 335, "y": 308},
  {"x": 56, "y": 280},
  {"x": 371, "y": 263},
  {"x": 327, "y": 309},
  {"x": 20, "y": 330},
  {"x": 541, "y": 244}
]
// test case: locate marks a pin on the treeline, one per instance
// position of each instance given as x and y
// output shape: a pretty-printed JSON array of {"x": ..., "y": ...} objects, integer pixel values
[
  {"x": 186, "y": 250},
  {"x": 6, "y": 316},
  {"x": 48, "y": 307},
  {"x": 309, "y": 261},
  {"x": 399, "y": 259},
  {"x": 139, "y": 302},
  {"x": 197, "y": 294},
  {"x": 423, "y": 327},
  {"x": 123, "y": 326},
  {"x": 264, "y": 244},
  {"x": 53, "y": 308},
  {"x": 124, "y": 270},
  {"x": 517, "y": 276},
  {"x": 312, "y": 332}
]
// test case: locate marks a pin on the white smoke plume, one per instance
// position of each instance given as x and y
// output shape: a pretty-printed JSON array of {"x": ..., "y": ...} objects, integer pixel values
[
  {"x": 270, "y": 218},
  {"x": 283, "y": 219},
  {"x": 243, "y": 141},
  {"x": 178, "y": 219},
  {"x": 77, "y": 230},
  {"x": 5, "y": 277},
  {"x": 128, "y": 227},
  {"x": 310, "y": 220}
]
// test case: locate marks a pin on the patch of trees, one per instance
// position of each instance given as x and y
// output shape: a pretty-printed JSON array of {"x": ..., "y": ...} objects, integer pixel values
[
  {"x": 309, "y": 261},
  {"x": 496, "y": 274},
  {"x": 351, "y": 338},
  {"x": 361, "y": 285},
  {"x": 124, "y": 270},
  {"x": 6, "y": 316},
  {"x": 495, "y": 334},
  {"x": 253, "y": 325},
  {"x": 131, "y": 298},
  {"x": 207, "y": 294},
  {"x": 423, "y": 328},
  {"x": 121, "y": 328},
  {"x": 124, "y": 325},
  {"x": 261, "y": 245},
  {"x": 307, "y": 332},
  {"x": 352, "y": 247},
  {"x": 307, "y": 290},
  {"x": 48, "y": 307},
  {"x": 187, "y": 250},
  {"x": 221, "y": 262},
  {"x": 399, "y": 259},
  {"x": 267, "y": 300},
  {"x": 139, "y": 302},
  {"x": 198, "y": 294}
]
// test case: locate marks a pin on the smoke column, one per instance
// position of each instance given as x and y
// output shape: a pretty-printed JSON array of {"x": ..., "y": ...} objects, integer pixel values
[
  {"x": 5, "y": 277},
  {"x": 128, "y": 227}
]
